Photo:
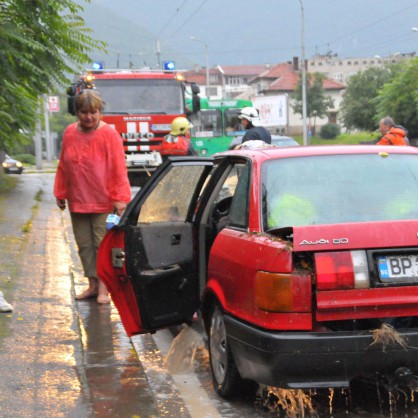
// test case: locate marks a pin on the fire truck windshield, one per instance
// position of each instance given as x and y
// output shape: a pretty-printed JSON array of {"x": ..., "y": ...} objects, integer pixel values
[{"x": 141, "y": 96}]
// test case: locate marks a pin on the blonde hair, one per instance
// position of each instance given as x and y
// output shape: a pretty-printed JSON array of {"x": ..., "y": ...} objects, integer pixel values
[{"x": 88, "y": 99}]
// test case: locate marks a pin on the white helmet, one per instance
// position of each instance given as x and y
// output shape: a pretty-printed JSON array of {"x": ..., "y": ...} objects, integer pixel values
[{"x": 251, "y": 114}]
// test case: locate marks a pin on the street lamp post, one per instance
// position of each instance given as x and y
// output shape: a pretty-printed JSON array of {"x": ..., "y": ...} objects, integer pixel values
[
  {"x": 304, "y": 112},
  {"x": 207, "y": 59}
]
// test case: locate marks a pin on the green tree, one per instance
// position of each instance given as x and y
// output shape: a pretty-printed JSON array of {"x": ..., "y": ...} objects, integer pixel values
[
  {"x": 358, "y": 107},
  {"x": 399, "y": 98},
  {"x": 41, "y": 43},
  {"x": 317, "y": 102}
]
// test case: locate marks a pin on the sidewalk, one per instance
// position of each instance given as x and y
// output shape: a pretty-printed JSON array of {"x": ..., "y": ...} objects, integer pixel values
[{"x": 60, "y": 358}]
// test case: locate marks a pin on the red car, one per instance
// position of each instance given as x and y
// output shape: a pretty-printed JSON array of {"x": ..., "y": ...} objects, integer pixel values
[{"x": 303, "y": 262}]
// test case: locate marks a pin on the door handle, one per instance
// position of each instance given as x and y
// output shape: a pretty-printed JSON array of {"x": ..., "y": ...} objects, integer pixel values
[
  {"x": 118, "y": 257},
  {"x": 175, "y": 239}
]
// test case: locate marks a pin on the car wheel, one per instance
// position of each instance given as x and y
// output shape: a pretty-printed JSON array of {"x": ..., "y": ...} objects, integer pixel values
[{"x": 226, "y": 379}]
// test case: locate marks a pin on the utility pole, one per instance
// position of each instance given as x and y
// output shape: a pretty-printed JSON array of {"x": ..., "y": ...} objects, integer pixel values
[
  {"x": 158, "y": 53},
  {"x": 207, "y": 61},
  {"x": 37, "y": 139},
  {"x": 47, "y": 135},
  {"x": 304, "y": 100}
]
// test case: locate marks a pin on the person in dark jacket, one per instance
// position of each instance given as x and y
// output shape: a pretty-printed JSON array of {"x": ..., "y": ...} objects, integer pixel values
[
  {"x": 251, "y": 122},
  {"x": 391, "y": 134}
]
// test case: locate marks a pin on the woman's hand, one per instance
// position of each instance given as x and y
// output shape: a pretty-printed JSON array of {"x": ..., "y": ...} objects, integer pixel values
[
  {"x": 61, "y": 203},
  {"x": 119, "y": 207}
]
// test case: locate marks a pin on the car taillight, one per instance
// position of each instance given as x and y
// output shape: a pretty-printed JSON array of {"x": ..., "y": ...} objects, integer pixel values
[
  {"x": 342, "y": 270},
  {"x": 275, "y": 292}
]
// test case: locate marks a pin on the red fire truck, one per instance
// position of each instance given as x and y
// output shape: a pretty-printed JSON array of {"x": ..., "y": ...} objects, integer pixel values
[{"x": 140, "y": 105}]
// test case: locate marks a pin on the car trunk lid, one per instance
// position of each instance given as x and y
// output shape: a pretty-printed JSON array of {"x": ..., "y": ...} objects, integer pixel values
[{"x": 362, "y": 235}]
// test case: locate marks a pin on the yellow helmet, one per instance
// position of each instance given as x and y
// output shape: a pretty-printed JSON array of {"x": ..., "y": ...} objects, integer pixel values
[{"x": 180, "y": 126}]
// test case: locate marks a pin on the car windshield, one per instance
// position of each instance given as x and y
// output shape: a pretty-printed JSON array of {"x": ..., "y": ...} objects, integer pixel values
[
  {"x": 130, "y": 96},
  {"x": 336, "y": 189}
]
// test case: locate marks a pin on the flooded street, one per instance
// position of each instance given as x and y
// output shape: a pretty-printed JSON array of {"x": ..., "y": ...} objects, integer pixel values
[{"x": 62, "y": 358}]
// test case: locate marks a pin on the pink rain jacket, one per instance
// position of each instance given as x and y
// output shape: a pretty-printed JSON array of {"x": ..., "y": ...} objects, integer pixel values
[{"x": 91, "y": 173}]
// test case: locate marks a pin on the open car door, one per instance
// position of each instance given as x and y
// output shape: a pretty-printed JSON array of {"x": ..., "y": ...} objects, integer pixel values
[{"x": 149, "y": 261}]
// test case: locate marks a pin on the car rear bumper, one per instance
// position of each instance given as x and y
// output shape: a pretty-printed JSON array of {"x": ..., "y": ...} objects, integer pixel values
[{"x": 315, "y": 360}]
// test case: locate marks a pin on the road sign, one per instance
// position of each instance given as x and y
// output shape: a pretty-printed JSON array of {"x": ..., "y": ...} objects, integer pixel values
[{"x": 53, "y": 103}]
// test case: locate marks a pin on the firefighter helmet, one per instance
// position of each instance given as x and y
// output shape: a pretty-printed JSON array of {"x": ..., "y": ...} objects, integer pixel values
[
  {"x": 250, "y": 114},
  {"x": 180, "y": 126}
]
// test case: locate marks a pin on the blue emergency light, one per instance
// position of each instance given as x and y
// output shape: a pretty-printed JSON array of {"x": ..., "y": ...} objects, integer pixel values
[
  {"x": 169, "y": 65},
  {"x": 98, "y": 65}
]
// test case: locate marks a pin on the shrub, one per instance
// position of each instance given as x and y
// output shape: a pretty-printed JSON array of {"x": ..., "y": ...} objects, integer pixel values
[
  {"x": 25, "y": 158},
  {"x": 330, "y": 131},
  {"x": 7, "y": 182}
]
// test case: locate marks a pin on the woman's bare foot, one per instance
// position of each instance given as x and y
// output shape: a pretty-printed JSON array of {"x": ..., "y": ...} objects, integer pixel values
[
  {"x": 103, "y": 294},
  {"x": 103, "y": 299},
  {"x": 87, "y": 294}
]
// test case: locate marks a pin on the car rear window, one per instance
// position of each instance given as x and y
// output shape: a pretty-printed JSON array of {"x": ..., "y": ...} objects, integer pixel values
[{"x": 332, "y": 189}]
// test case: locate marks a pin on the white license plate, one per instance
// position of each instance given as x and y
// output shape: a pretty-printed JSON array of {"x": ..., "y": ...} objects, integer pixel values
[{"x": 398, "y": 268}]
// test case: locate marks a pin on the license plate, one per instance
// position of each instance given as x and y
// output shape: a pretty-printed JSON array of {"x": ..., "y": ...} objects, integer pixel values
[{"x": 398, "y": 268}]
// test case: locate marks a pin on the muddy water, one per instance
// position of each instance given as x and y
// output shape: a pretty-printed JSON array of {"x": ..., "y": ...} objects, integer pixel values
[{"x": 365, "y": 398}]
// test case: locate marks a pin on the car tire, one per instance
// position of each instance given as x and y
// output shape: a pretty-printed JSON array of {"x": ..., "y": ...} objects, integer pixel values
[{"x": 225, "y": 376}]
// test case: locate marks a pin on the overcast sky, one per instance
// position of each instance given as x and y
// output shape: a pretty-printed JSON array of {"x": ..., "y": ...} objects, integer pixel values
[{"x": 264, "y": 31}]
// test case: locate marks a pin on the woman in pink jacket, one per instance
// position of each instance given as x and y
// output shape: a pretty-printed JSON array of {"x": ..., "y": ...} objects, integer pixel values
[{"x": 92, "y": 179}]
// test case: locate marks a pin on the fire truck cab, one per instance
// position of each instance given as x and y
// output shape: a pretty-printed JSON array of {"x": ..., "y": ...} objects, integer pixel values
[{"x": 140, "y": 105}]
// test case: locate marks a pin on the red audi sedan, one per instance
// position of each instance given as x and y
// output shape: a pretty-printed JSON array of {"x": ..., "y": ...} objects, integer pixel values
[{"x": 303, "y": 262}]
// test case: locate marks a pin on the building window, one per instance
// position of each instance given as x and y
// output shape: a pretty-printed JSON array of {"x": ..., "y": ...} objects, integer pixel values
[
  {"x": 348, "y": 62},
  {"x": 234, "y": 81},
  {"x": 332, "y": 117},
  {"x": 320, "y": 63},
  {"x": 211, "y": 91}
]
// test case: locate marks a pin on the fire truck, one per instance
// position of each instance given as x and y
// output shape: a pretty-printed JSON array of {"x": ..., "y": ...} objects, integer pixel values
[{"x": 140, "y": 105}]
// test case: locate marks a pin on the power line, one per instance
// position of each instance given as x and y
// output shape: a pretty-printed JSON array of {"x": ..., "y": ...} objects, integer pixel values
[
  {"x": 171, "y": 18},
  {"x": 371, "y": 24},
  {"x": 185, "y": 21}
]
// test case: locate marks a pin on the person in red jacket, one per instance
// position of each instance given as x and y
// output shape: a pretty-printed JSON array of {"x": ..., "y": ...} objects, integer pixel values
[
  {"x": 178, "y": 142},
  {"x": 391, "y": 134},
  {"x": 92, "y": 180}
]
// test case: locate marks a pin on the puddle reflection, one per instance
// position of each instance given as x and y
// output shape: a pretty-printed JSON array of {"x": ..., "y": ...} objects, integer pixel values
[{"x": 114, "y": 375}]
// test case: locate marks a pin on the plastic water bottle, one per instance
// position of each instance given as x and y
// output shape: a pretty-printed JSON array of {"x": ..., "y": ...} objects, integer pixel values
[{"x": 112, "y": 220}]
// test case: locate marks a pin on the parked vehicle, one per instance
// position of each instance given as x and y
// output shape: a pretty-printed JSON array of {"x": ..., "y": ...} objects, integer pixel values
[
  {"x": 277, "y": 140},
  {"x": 303, "y": 262},
  {"x": 12, "y": 166}
]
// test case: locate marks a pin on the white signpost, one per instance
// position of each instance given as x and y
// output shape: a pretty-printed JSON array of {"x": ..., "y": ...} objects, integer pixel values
[
  {"x": 272, "y": 110},
  {"x": 53, "y": 103}
]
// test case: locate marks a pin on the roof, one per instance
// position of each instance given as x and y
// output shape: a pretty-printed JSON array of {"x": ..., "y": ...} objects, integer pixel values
[
  {"x": 248, "y": 70},
  {"x": 282, "y": 77},
  {"x": 199, "y": 76}
]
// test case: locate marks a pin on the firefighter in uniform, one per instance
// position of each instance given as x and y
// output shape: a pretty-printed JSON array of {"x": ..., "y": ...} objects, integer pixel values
[{"x": 177, "y": 142}]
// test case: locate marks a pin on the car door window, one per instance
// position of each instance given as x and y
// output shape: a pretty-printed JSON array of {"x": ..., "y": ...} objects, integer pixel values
[
  {"x": 231, "y": 203},
  {"x": 238, "y": 214},
  {"x": 170, "y": 199}
]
